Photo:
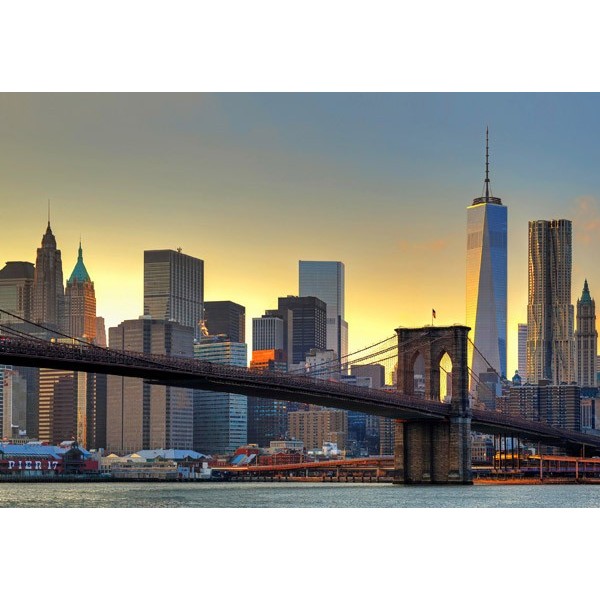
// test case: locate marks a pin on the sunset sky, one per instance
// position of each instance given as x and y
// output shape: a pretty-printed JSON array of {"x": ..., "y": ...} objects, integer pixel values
[{"x": 253, "y": 183}]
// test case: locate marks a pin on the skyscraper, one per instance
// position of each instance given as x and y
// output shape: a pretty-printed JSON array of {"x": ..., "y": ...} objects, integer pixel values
[
  {"x": 16, "y": 290},
  {"x": 309, "y": 325},
  {"x": 522, "y": 351},
  {"x": 486, "y": 279},
  {"x": 62, "y": 404},
  {"x": 141, "y": 416},
  {"x": 174, "y": 287},
  {"x": 48, "y": 290},
  {"x": 267, "y": 418},
  {"x": 586, "y": 338},
  {"x": 220, "y": 418},
  {"x": 100, "y": 332},
  {"x": 69, "y": 407},
  {"x": 550, "y": 343},
  {"x": 226, "y": 317},
  {"x": 325, "y": 280},
  {"x": 80, "y": 302},
  {"x": 16, "y": 297},
  {"x": 267, "y": 333}
]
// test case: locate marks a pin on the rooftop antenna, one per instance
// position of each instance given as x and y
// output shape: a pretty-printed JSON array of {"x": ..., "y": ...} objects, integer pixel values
[
  {"x": 48, "y": 212},
  {"x": 487, "y": 165}
]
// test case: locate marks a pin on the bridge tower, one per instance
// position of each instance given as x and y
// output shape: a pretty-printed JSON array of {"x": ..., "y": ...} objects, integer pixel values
[{"x": 428, "y": 450}]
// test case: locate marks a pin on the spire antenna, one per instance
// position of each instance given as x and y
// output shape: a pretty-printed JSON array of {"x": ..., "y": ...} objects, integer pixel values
[
  {"x": 487, "y": 165},
  {"x": 48, "y": 212}
]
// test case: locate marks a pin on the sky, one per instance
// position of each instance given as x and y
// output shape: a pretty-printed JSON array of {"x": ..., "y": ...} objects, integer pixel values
[{"x": 252, "y": 183}]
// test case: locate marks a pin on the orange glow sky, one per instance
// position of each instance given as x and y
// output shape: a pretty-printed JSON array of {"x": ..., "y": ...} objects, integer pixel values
[{"x": 252, "y": 183}]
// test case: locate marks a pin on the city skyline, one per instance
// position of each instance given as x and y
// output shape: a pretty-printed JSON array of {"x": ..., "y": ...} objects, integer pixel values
[{"x": 129, "y": 173}]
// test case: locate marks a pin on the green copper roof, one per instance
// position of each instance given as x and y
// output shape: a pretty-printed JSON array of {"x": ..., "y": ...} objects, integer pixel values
[
  {"x": 585, "y": 295},
  {"x": 79, "y": 272}
]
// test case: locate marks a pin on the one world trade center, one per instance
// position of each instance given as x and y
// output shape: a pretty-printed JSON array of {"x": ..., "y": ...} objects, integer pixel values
[{"x": 486, "y": 281}]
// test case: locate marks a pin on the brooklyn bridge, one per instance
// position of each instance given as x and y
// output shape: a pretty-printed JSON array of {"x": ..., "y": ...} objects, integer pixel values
[{"x": 432, "y": 438}]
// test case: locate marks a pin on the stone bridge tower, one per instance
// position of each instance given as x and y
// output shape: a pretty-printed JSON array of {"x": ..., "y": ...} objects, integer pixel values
[{"x": 430, "y": 450}]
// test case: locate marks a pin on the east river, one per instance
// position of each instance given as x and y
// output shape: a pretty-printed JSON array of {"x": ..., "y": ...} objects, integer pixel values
[{"x": 293, "y": 495}]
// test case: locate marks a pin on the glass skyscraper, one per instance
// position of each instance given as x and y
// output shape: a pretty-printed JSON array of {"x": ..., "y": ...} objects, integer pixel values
[
  {"x": 486, "y": 281},
  {"x": 325, "y": 280},
  {"x": 309, "y": 325},
  {"x": 174, "y": 287},
  {"x": 226, "y": 317},
  {"x": 220, "y": 418}
]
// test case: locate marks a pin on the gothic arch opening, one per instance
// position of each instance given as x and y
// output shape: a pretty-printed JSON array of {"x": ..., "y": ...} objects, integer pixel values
[
  {"x": 418, "y": 368},
  {"x": 445, "y": 363}
]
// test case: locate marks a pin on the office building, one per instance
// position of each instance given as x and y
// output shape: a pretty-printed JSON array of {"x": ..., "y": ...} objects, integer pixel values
[
  {"x": 387, "y": 436},
  {"x": 375, "y": 372},
  {"x": 586, "y": 338},
  {"x": 556, "y": 405},
  {"x": 225, "y": 318},
  {"x": 13, "y": 402},
  {"x": 80, "y": 302},
  {"x": 489, "y": 389},
  {"x": 590, "y": 414},
  {"x": 323, "y": 364},
  {"x": 267, "y": 418},
  {"x": 308, "y": 325},
  {"x": 316, "y": 427},
  {"x": 96, "y": 411},
  {"x": 100, "y": 332},
  {"x": 63, "y": 399},
  {"x": 357, "y": 442},
  {"x": 141, "y": 416},
  {"x": 220, "y": 418},
  {"x": 16, "y": 291},
  {"x": 550, "y": 340},
  {"x": 325, "y": 280},
  {"x": 67, "y": 403},
  {"x": 267, "y": 333},
  {"x": 48, "y": 290},
  {"x": 174, "y": 288},
  {"x": 486, "y": 280},
  {"x": 270, "y": 360},
  {"x": 16, "y": 297},
  {"x": 522, "y": 351}
]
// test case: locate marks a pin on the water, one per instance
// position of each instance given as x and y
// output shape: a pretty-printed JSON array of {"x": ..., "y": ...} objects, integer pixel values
[{"x": 293, "y": 495}]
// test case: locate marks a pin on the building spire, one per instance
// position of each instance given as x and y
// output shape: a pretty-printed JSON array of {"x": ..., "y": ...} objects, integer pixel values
[
  {"x": 487, "y": 165},
  {"x": 487, "y": 196},
  {"x": 79, "y": 272},
  {"x": 48, "y": 212},
  {"x": 585, "y": 295}
]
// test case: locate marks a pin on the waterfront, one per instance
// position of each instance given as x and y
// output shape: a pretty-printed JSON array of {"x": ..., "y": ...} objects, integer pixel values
[{"x": 293, "y": 495}]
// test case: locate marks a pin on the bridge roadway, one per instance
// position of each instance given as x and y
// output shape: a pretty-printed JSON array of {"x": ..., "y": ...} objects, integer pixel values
[{"x": 195, "y": 374}]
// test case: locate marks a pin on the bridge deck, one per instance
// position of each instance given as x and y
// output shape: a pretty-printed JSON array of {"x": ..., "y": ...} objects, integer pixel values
[{"x": 191, "y": 373}]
